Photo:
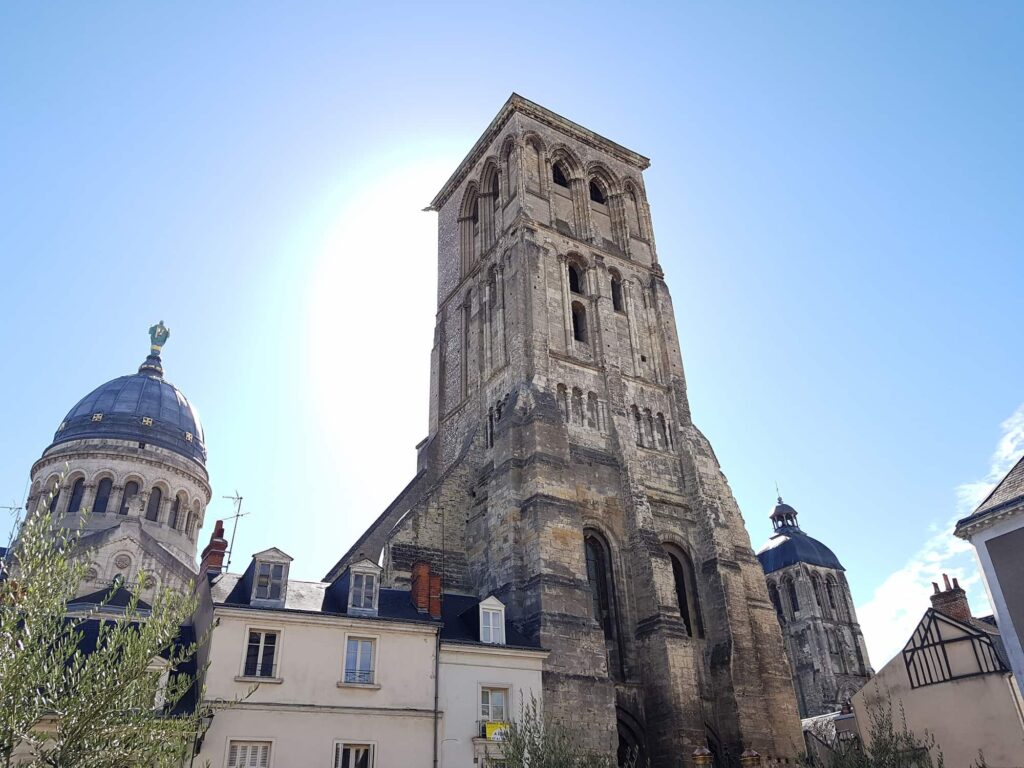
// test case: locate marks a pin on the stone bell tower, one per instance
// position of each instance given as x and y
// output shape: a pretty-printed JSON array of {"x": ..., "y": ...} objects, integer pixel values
[{"x": 562, "y": 471}]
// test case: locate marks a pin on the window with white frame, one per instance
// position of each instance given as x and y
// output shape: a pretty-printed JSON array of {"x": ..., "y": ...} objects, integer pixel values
[
  {"x": 492, "y": 625},
  {"x": 493, "y": 704},
  {"x": 353, "y": 755},
  {"x": 269, "y": 581},
  {"x": 261, "y": 654},
  {"x": 363, "y": 591},
  {"x": 359, "y": 659},
  {"x": 249, "y": 754}
]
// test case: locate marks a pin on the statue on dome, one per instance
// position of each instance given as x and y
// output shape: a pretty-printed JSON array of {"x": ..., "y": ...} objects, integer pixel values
[{"x": 158, "y": 336}]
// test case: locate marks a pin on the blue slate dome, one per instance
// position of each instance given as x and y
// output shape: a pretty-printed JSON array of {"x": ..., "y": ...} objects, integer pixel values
[
  {"x": 790, "y": 545},
  {"x": 142, "y": 407}
]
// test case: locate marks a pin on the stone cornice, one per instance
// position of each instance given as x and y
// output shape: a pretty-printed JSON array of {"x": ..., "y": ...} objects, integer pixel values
[{"x": 516, "y": 104}]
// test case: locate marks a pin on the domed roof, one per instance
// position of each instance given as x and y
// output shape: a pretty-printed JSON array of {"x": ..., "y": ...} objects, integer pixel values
[
  {"x": 141, "y": 407},
  {"x": 790, "y": 545}
]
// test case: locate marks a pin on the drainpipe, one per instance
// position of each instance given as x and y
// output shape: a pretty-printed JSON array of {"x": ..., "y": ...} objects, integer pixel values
[{"x": 437, "y": 688}]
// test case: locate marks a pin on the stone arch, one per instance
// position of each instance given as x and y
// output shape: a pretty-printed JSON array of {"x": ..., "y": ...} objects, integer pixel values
[
  {"x": 75, "y": 484},
  {"x": 130, "y": 488},
  {"x": 635, "y": 215},
  {"x": 601, "y": 569},
  {"x": 469, "y": 228},
  {"x": 687, "y": 594},
  {"x": 535, "y": 163},
  {"x": 561, "y": 153},
  {"x": 632, "y": 744},
  {"x": 509, "y": 167},
  {"x": 776, "y": 600},
  {"x": 103, "y": 482},
  {"x": 156, "y": 499}
]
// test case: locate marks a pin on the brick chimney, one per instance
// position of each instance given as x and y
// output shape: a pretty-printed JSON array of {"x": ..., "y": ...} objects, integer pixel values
[
  {"x": 213, "y": 556},
  {"x": 952, "y": 600},
  {"x": 426, "y": 590}
]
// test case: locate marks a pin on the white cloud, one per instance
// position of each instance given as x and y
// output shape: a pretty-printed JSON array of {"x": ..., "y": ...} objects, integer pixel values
[{"x": 890, "y": 615}]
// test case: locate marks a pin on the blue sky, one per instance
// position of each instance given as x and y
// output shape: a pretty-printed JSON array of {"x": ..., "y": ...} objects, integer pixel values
[{"x": 837, "y": 193}]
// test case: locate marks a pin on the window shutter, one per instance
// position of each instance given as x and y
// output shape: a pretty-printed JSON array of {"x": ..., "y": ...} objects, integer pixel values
[
  {"x": 233, "y": 756},
  {"x": 264, "y": 756}
]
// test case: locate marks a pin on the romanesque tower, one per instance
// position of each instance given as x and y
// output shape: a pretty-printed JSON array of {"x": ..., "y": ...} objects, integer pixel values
[
  {"x": 808, "y": 587},
  {"x": 131, "y": 453},
  {"x": 562, "y": 471}
]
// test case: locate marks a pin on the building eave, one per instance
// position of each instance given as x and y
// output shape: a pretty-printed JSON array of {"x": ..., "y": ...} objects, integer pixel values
[{"x": 518, "y": 104}]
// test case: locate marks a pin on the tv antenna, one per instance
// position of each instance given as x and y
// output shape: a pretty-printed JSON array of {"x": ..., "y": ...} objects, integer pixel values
[{"x": 238, "y": 513}]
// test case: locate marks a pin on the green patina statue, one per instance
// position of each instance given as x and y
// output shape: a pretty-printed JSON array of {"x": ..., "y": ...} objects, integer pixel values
[{"x": 158, "y": 336}]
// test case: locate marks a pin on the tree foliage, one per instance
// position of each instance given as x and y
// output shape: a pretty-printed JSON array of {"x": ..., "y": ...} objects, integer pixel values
[
  {"x": 531, "y": 741},
  {"x": 109, "y": 708}
]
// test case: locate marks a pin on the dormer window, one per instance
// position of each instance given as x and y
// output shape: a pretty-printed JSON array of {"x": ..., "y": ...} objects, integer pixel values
[
  {"x": 492, "y": 621},
  {"x": 269, "y": 581},
  {"x": 269, "y": 576},
  {"x": 363, "y": 589}
]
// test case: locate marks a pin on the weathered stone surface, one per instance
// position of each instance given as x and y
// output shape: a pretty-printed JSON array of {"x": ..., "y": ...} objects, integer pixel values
[{"x": 559, "y": 416}]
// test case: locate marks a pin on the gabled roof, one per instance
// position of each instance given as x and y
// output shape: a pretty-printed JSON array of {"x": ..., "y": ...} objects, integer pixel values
[
  {"x": 1008, "y": 493},
  {"x": 110, "y": 598},
  {"x": 273, "y": 554}
]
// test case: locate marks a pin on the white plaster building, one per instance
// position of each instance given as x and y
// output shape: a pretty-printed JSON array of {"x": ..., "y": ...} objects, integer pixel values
[
  {"x": 996, "y": 529},
  {"x": 348, "y": 674}
]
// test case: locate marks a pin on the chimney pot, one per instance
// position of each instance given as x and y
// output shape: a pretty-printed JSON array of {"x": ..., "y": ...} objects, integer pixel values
[
  {"x": 212, "y": 560},
  {"x": 945, "y": 580}
]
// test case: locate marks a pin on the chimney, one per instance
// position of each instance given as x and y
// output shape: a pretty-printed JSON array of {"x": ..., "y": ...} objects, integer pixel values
[
  {"x": 421, "y": 586},
  {"x": 952, "y": 600},
  {"x": 213, "y": 556}
]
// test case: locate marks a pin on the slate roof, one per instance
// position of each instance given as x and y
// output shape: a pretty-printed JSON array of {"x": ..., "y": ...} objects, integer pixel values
[
  {"x": 1008, "y": 493},
  {"x": 460, "y": 619},
  {"x": 125, "y": 401},
  {"x": 790, "y": 545},
  {"x": 119, "y": 600}
]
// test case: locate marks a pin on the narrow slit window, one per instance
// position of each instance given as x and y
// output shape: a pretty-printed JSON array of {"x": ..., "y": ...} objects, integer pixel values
[
  {"x": 103, "y": 496},
  {"x": 558, "y": 175},
  {"x": 153, "y": 505},
  {"x": 579, "y": 322}
]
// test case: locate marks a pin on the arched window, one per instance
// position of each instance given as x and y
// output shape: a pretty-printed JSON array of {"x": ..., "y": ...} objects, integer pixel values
[
  {"x": 794, "y": 602},
  {"x": 617, "y": 304},
  {"x": 576, "y": 279},
  {"x": 153, "y": 507},
  {"x": 659, "y": 424},
  {"x": 686, "y": 590},
  {"x": 534, "y": 165},
  {"x": 599, "y": 576},
  {"x": 597, "y": 194},
  {"x": 638, "y": 427},
  {"x": 579, "y": 322},
  {"x": 559, "y": 175},
  {"x": 593, "y": 420},
  {"x": 835, "y": 599},
  {"x": 77, "y": 493},
  {"x": 54, "y": 499},
  {"x": 172, "y": 521},
  {"x": 103, "y": 496},
  {"x": 577, "y": 406},
  {"x": 131, "y": 490},
  {"x": 563, "y": 401},
  {"x": 819, "y": 596},
  {"x": 469, "y": 229},
  {"x": 773, "y": 595},
  {"x": 835, "y": 652},
  {"x": 649, "y": 428},
  {"x": 633, "y": 213},
  {"x": 495, "y": 191}
]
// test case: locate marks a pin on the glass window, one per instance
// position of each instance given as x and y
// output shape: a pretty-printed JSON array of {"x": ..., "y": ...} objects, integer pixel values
[
  {"x": 269, "y": 578},
  {"x": 131, "y": 490},
  {"x": 261, "y": 654},
  {"x": 363, "y": 588},
  {"x": 353, "y": 756},
  {"x": 249, "y": 754},
  {"x": 492, "y": 626},
  {"x": 153, "y": 507},
  {"x": 103, "y": 496},
  {"x": 359, "y": 660},
  {"x": 77, "y": 493},
  {"x": 493, "y": 703}
]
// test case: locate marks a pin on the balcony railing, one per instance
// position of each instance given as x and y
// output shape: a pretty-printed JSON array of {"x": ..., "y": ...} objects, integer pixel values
[
  {"x": 493, "y": 730},
  {"x": 359, "y": 676}
]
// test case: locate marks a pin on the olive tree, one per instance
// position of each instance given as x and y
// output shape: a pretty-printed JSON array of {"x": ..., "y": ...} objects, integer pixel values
[{"x": 91, "y": 689}]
